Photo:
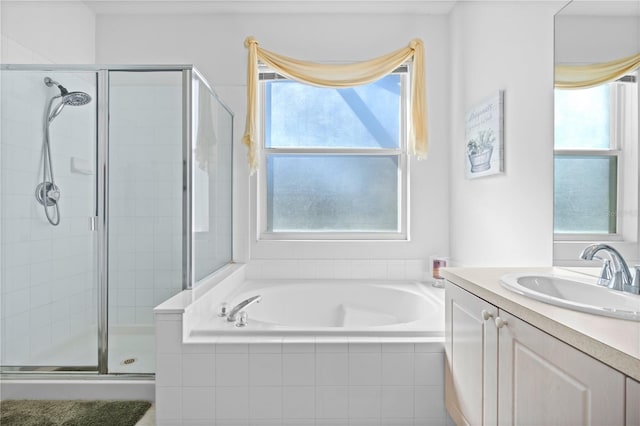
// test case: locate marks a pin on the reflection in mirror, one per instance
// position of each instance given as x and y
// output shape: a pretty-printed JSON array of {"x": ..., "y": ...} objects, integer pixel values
[{"x": 596, "y": 121}]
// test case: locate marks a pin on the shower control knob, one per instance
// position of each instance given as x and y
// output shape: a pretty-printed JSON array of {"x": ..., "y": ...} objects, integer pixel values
[{"x": 53, "y": 194}]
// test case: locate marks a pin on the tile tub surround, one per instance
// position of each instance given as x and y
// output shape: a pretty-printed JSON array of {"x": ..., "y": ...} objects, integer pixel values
[
  {"x": 392, "y": 269},
  {"x": 299, "y": 381}
]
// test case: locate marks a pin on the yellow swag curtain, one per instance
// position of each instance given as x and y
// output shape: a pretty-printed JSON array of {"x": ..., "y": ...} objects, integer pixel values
[
  {"x": 585, "y": 76},
  {"x": 339, "y": 76}
]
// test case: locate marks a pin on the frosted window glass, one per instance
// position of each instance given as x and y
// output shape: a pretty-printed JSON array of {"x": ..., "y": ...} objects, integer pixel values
[
  {"x": 299, "y": 115},
  {"x": 332, "y": 193},
  {"x": 582, "y": 118},
  {"x": 585, "y": 194}
]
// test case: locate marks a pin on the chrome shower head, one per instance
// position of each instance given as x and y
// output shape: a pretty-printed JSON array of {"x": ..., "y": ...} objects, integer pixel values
[
  {"x": 68, "y": 98},
  {"x": 76, "y": 98}
]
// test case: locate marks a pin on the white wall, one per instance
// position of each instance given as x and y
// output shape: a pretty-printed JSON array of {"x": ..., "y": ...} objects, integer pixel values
[
  {"x": 214, "y": 43},
  {"x": 587, "y": 39},
  {"x": 37, "y": 32},
  {"x": 504, "y": 219}
]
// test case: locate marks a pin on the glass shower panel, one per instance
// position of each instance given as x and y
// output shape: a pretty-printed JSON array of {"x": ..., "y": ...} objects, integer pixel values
[
  {"x": 211, "y": 172},
  {"x": 48, "y": 282},
  {"x": 145, "y": 210}
]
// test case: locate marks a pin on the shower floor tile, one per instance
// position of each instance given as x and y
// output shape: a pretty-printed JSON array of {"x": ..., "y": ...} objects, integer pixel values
[{"x": 131, "y": 350}]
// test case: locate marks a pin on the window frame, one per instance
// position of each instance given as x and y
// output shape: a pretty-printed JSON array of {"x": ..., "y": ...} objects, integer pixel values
[
  {"x": 401, "y": 152},
  {"x": 622, "y": 138}
]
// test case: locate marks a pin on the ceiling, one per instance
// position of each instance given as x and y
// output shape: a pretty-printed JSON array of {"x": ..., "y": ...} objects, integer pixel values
[
  {"x": 431, "y": 7},
  {"x": 270, "y": 6},
  {"x": 602, "y": 8}
]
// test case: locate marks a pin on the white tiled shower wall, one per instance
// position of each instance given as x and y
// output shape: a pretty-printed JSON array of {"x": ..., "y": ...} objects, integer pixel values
[
  {"x": 145, "y": 193},
  {"x": 304, "y": 381},
  {"x": 48, "y": 278}
]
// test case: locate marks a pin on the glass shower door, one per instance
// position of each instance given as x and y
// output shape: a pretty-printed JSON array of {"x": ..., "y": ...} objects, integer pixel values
[
  {"x": 211, "y": 150},
  {"x": 48, "y": 279},
  {"x": 145, "y": 209}
]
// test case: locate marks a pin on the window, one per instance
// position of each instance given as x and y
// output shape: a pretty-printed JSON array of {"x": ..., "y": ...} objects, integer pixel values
[
  {"x": 594, "y": 152},
  {"x": 334, "y": 162}
]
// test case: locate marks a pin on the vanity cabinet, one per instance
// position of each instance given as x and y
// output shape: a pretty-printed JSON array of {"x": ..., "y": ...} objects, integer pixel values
[
  {"x": 633, "y": 402},
  {"x": 471, "y": 368},
  {"x": 501, "y": 370}
]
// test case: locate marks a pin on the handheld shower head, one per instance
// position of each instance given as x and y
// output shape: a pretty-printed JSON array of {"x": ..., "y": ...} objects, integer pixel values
[
  {"x": 76, "y": 98},
  {"x": 68, "y": 98}
]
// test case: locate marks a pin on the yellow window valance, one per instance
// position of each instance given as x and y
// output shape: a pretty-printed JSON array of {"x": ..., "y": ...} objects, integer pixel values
[
  {"x": 339, "y": 76},
  {"x": 585, "y": 76}
]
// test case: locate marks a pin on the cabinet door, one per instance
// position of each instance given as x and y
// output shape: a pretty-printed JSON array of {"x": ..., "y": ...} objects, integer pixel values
[
  {"x": 544, "y": 381},
  {"x": 633, "y": 403},
  {"x": 471, "y": 347}
]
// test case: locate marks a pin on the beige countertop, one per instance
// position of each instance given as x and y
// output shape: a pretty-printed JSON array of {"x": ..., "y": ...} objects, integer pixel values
[{"x": 613, "y": 341}]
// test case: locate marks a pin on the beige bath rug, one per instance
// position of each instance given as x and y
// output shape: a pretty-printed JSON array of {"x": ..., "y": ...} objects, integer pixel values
[{"x": 71, "y": 413}]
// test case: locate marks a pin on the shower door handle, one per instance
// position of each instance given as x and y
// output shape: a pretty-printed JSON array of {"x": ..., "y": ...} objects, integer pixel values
[{"x": 93, "y": 223}]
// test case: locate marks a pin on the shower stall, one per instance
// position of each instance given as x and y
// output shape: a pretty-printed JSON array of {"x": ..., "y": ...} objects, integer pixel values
[{"x": 115, "y": 195}]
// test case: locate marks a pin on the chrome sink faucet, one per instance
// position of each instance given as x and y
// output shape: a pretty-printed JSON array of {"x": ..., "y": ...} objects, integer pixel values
[
  {"x": 231, "y": 316},
  {"x": 615, "y": 273}
]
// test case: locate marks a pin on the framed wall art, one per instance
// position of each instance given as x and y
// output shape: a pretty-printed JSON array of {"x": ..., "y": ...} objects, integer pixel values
[{"x": 484, "y": 145}]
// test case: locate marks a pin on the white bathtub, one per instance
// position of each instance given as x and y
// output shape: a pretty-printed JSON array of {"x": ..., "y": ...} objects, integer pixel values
[{"x": 332, "y": 307}]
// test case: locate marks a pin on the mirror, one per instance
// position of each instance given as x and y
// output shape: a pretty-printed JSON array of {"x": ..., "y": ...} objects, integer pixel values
[{"x": 596, "y": 131}]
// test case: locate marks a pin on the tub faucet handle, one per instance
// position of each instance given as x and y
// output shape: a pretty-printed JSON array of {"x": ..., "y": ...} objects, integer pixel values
[
  {"x": 242, "y": 319},
  {"x": 223, "y": 309}
]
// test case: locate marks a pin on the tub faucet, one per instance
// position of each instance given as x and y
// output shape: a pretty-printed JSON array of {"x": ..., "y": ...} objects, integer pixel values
[
  {"x": 617, "y": 271},
  {"x": 231, "y": 316}
]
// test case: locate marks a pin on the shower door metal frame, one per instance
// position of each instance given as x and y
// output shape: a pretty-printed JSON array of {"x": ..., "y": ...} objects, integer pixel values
[
  {"x": 187, "y": 180},
  {"x": 103, "y": 222}
]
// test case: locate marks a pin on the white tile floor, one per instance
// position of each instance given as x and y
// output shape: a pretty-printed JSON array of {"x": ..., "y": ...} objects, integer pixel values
[
  {"x": 149, "y": 418},
  {"x": 132, "y": 343}
]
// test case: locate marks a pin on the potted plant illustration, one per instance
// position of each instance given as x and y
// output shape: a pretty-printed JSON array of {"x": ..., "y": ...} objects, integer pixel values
[{"x": 479, "y": 150}]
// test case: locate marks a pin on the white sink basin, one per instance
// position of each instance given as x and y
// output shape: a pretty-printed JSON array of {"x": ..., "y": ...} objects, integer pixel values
[{"x": 579, "y": 294}]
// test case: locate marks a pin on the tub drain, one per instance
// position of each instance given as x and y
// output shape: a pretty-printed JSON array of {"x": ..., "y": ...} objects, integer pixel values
[{"x": 128, "y": 361}]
